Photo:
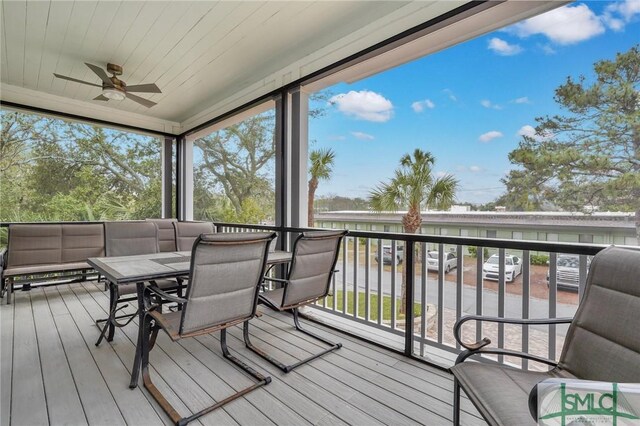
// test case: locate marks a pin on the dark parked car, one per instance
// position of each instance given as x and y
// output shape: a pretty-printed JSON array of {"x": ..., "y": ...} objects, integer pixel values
[{"x": 387, "y": 255}]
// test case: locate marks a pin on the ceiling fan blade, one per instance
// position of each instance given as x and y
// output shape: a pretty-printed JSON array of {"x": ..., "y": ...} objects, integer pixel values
[
  {"x": 100, "y": 98},
  {"x": 141, "y": 101},
  {"x": 147, "y": 88},
  {"x": 100, "y": 73},
  {"x": 76, "y": 80}
]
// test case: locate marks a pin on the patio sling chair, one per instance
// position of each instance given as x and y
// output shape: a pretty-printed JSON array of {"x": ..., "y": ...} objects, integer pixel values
[
  {"x": 128, "y": 239},
  {"x": 312, "y": 266},
  {"x": 602, "y": 344},
  {"x": 187, "y": 232},
  {"x": 225, "y": 275}
]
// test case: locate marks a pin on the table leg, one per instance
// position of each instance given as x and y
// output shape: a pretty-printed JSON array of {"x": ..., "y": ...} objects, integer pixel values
[{"x": 135, "y": 371}]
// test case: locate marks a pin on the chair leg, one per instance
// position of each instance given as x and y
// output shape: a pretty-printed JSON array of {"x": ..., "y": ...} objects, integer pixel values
[
  {"x": 456, "y": 402},
  {"x": 280, "y": 365},
  {"x": 9, "y": 290},
  {"x": 166, "y": 406}
]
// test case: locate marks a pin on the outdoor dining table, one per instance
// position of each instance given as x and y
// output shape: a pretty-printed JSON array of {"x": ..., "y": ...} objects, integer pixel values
[{"x": 138, "y": 269}]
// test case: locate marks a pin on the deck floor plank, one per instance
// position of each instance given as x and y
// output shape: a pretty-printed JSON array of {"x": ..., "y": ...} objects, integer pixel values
[
  {"x": 125, "y": 349},
  {"x": 6, "y": 360},
  {"x": 360, "y": 384},
  {"x": 133, "y": 405},
  {"x": 28, "y": 400},
  {"x": 97, "y": 400},
  {"x": 412, "y": 387},
  {"x": 63, "y": 401}
]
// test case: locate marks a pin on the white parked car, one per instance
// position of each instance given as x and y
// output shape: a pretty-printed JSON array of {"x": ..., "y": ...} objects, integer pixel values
[
  {"x": 450, "y": 261},
  {"x": 512, "y": 268}
]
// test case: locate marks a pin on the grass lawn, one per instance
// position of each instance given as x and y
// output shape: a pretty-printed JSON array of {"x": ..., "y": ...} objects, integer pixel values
[{"x": 373, "y": 303}]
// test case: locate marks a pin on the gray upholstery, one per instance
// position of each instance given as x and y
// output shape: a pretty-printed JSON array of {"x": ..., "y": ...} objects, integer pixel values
[
  {"x": 187, "y": 232},
  {"x": 46, "y": 248},
  {"x": 602, "y": 343},
  {"x": 226, "y": 271},
  {"x": 34, "y": 245},
  {"x": 166, "y": 234},
  {"x": 501, "y": 393},
  {"x": 82, "y": 241},
  {"x": 314, "y": 257},
  {"x": 130, "y": 238}
]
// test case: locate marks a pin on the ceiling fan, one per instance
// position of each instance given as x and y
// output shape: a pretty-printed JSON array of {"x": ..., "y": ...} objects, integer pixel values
[{"x": 114, "y": 88}]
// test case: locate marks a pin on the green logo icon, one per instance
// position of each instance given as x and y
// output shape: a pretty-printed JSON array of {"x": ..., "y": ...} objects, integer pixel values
[{"x": 589, "y": 403}]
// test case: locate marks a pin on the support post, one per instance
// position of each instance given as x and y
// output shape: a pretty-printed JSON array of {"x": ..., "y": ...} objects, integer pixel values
[{"x": 409, "y": 281}]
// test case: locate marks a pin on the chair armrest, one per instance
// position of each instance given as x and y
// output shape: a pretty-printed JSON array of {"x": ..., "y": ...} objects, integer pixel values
[
  {"x": 480, "y": 347},
  {"x": 163, "y": 295},
  {"x": 457, "y": 328}
]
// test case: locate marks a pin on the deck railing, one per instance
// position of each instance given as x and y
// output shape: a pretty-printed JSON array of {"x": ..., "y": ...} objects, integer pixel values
[{"x": 367, "y": 291}]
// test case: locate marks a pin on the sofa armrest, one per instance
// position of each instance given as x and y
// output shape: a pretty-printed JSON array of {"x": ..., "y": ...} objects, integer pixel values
[{"x": 3, "y": 259}]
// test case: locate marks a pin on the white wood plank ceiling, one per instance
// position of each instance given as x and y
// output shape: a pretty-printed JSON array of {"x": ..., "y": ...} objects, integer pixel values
[{"x": 204, "y": 55}]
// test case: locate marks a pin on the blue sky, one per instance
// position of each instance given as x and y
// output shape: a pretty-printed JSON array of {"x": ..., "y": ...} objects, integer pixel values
[{"x": 468, "y": 104}]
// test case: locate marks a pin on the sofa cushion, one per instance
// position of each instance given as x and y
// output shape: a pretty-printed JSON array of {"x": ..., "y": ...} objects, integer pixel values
[
  {"x": 82, "y": 241},
  {"x": 166, "y": 234},
  {"x": 187, "y": 232},
  {"x": 44, "y": 269},
  {"x": 34, "y": 244},
  {"x": 130, "y": 238}
]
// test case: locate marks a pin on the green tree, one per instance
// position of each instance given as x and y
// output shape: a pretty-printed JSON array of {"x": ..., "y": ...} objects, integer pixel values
[
  {"x": 320, "y": 169},
  {"x": 236, "y": 161},
  {"x": 588, "y": 158},
  {"x": 414, "y": 187}
]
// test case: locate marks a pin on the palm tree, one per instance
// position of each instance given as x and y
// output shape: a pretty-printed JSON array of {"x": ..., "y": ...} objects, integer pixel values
[
  {"x": 321, "y": 168},
  {"x": 413, "y": 187}
]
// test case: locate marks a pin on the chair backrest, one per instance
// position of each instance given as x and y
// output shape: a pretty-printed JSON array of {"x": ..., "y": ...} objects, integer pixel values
[
  {"x": 603, "y": 340},
  {"x": 130, "y": 238},
  {"x": 187, "y": 232},
  {"x": 34, "y": 244},
  {"x": 314, "y": 258},
  {"x": 226, "y": 272},
  {"x": 166, "y": 234},
  {"x": 82, "y": 241}
]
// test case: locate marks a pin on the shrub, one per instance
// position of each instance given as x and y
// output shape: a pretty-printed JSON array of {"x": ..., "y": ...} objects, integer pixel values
[
  {"x": 473, "y": 252},
  {"x": 539, "y": 259}
]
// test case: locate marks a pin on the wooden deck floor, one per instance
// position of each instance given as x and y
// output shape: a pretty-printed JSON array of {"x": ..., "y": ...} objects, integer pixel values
[{"x": 51, "y": 373}]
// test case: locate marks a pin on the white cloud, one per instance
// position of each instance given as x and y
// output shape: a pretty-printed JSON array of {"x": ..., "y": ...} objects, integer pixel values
[
  {"x": 503, "y": 48},
  {"x": 530, "y": 132},
  {"x": 547, "y": 49},
  {"x": 441, "y": 174},
  {"x": 522, "y": 100},
  {"x": 565, "y": 25},
  {"x": 618, "y": 14},
  {"x": 527, "y": 130},
  {"x": 419, "y": 106},
  {"x": 364, "y": 105},
  {"x": 486, "y": 137},
  {"x": 475, "y": 169},
  {"x": 451, "y": 95},
  {"x": 363, "y": 136},
  {"x": 488, "y": 104}
]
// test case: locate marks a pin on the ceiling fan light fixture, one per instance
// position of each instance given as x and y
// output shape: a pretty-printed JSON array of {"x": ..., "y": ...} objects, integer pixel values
[{"x": 113, "y": 93}]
